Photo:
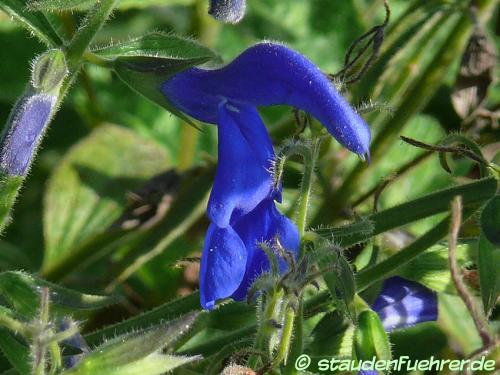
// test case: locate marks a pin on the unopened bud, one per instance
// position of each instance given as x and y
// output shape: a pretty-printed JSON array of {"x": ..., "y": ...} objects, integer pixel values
[
  {"x": 24, "y": 131},
  {"x": 370, "y": 338},
  {"x": 49, "y": 70},
  {"x": 230, "y": 11}
]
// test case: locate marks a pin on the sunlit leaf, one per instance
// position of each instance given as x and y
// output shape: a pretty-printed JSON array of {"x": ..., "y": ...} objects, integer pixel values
[
  {"x": 88, "y": 190},
  {"x": 137, "y": 352}
]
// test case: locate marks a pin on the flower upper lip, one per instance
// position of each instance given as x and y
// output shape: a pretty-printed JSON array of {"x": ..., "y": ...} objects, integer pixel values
[{"x": 269, "y": 74}]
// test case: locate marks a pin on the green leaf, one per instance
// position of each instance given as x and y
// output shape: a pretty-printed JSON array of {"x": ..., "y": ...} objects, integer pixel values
[
  {"x": 137, "y": 352},
  {"x": 87, "y": 191},
  {"x": 60, "y": 5},
  {"x": 339, "y": 279},
  {"x": 11, "y": 257},
  {"x": 159, "y": 45},
  {"x": 16, "y": 352},
  {"x": 431, "y": 204},
  {"x": 36, "y": 22},
  {"x": 489, "y": 273},
  {"x": 146, "y": 62},
  {"x": 21, "y": 291},
  {"x": 332, "y": 336},
  {"x": 9, "y": 188},
  {"x": 83, "y": 5},
  {"x": 490, "y": 221},
  {"x": 127, "y": 4},
  {"x": 165, "y": 312},
  {"x": 370, "y": 338},
  {"x": 432, "y": 267}
]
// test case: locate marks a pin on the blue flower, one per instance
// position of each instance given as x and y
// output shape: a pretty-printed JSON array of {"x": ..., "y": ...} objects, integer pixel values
[
  {"x": 403, "y": 303},
  {"x": 242, "y": 207},
  {"x": 28, "y": 122},
  {"x": 231, "y": 11}
]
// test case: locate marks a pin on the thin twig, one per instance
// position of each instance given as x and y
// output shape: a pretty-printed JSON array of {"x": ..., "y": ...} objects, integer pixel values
[
  {"x": 447, "y": 149},
  {"x": 463, "y": 292},
  {"x": 400, "y": 172}
]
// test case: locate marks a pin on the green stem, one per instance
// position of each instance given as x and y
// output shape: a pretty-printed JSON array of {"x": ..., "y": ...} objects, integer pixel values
[
  {"x": 286, "y": 337},
  {"x": 310, "y": 156},
  {"x": 265, "y": 330},
  {"x": 98, "y": 60},
  {"x": 55, "y": 358},
  {"x": 39, "y": 347},
  {"x": 297, "y": 347},
  {"x": 14, "y": 325},
  {"x": 93, "y": 22}
]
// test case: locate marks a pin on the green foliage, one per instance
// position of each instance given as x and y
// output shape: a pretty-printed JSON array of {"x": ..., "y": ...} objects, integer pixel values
[
  {"x": 21, "y": 291},
  {"x": 137, "y": 352},
  {"x": 87, "y": 192},
  {"x": 35, "y": 22}
]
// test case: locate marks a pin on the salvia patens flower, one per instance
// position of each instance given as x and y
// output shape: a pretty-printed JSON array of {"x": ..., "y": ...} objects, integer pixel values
[
  {"x": 403, "y": 303},
  {"x": 230, "y": 11},
  {"x": 241, "y": 207}
]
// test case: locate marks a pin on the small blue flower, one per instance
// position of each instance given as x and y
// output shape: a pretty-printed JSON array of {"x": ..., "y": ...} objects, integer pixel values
[
  {"x": 241, "y": 207},
  {"x": 403, "y": 303},
  {"x": 231, "y": 11},
  {"x": 28, "y": 122}
]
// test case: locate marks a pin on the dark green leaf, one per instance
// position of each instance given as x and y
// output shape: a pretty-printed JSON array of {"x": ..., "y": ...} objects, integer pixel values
[
  {"x": 332, "y": 336},
  {"x": 428, "y": 205},
  {"x": 339, "y": 278},
  {"x": 146, "y": 62},
  {"x": 490, "y": 221},
  {"x": 36, "y": 22},
  {"x": 60, "y": 5},
  {"x": 11, "y": 257},
  {"x": 16, "y": 352},
  {"x": 21, "y": 291},
  {"x": 159, "y": 45},
  {"x": 489, "y": 273},
  {"x": 9, "y": 188}
]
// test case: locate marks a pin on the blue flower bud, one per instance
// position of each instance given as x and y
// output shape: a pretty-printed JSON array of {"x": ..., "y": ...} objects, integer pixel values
[
  {"x": 32, "y": 113},
  {"x": 230, "y": 11},
  {"x": 24, "y": 132}
]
